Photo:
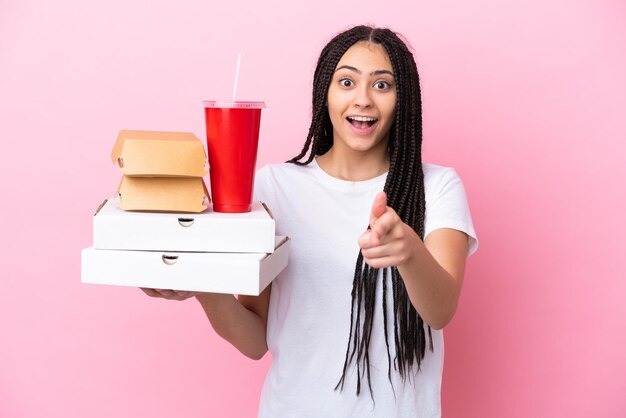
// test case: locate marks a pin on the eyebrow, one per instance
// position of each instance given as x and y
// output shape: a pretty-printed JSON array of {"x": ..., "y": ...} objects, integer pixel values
[{"x": 377, "y": 72}]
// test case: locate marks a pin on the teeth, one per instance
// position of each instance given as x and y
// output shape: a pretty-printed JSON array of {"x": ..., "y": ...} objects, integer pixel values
[{"x": 362, "y": 118}]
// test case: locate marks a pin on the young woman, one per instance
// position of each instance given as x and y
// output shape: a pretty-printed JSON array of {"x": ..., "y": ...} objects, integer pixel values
[{"x": 379, "y": 242}]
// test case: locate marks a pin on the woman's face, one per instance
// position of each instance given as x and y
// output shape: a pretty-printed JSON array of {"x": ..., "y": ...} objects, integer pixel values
[{"x": 362, "y": 98}]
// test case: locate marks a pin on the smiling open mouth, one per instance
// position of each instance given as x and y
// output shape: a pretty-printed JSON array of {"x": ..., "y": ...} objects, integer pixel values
[{"x": 361, "y": 122}]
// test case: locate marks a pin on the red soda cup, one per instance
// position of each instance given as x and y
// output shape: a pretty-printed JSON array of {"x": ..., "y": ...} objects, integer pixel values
[{"x": 232, "y": 135}]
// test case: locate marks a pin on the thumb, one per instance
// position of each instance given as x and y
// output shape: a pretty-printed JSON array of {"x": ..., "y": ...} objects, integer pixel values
[{"x": 379, "y": 207}]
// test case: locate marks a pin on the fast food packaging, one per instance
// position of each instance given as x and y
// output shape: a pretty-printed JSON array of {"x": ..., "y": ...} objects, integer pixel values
[
  {"x": 163, "y": 194},
  {"x": 159, "y": 154},
  {"x": 233, "y": 273},
  {"x": 209, "y": 231},
  {"x": 162, "y": 171}
]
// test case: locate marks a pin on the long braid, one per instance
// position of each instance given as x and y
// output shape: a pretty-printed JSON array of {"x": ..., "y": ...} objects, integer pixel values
[
  {"x": 385, "y": 325},
  {"x": 405, "y": 194}
]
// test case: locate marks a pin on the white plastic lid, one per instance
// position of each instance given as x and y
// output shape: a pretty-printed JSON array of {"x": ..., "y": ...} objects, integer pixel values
[{"x": 234, "y": 105}]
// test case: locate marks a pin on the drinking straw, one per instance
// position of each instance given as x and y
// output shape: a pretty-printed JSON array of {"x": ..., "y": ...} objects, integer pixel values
[{"x": 236, "y": 76}]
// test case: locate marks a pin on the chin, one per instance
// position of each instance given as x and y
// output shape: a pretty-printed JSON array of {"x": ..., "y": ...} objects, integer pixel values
[
  {"x": 363, "y": 150},
  {"x": 364, "y": 145}
]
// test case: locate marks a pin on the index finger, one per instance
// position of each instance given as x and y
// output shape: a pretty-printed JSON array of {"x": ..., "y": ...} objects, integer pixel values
[{"x": 379, "y": 207}]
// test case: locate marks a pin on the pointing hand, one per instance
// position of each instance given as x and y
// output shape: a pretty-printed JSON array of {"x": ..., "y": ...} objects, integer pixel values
[{"x": 388, "y": 241}]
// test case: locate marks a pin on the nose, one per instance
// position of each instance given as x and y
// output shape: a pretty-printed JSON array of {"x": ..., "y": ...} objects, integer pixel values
[{"x": 362, "y": 98}]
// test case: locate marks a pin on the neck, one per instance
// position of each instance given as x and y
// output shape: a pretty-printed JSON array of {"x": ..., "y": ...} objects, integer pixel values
[{"x": 354, "y": 166}]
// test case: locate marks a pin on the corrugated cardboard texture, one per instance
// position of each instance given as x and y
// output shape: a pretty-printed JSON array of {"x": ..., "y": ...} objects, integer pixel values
[
  {"x": 163, "y": 194},
  {"x": 159, "y": 154}
]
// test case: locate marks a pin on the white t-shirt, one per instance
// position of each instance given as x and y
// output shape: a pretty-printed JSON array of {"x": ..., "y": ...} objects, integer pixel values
[{"x": 309, "y": 312}]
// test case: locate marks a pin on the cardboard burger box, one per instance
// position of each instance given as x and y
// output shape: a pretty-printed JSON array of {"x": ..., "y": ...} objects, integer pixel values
[
  {"x": 163, "y": 194},
  {"x": 159, "y": 154},
  {"x": 233, "y": 273},
  {"x": 162, "y": 171},
  {"x": 116, "y": 229}
]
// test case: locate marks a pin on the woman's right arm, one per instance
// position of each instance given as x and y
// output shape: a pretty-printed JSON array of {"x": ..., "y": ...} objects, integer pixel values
[{"x": 241, "y": 322}]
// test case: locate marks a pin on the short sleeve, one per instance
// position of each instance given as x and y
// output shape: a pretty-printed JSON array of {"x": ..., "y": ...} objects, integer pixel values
[{"x": 447, "y": 206}]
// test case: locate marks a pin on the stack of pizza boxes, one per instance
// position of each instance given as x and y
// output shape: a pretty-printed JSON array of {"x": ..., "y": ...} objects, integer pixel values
[{"x": 160, "y": 231}]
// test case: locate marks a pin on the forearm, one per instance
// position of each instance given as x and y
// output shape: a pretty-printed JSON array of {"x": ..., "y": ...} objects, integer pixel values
[
  {"x": 432, "y": 269},
  {"x": 432, "y": 290},
  {"x": 244, "y": 329}
]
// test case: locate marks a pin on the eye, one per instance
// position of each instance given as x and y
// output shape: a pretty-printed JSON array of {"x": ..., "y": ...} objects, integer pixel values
[
  {"x": 382, "y": 85},
  {"x": 346, "y": 82}
]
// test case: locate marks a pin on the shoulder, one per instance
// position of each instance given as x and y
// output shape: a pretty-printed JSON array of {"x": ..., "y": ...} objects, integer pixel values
[
  {"x": 278, "y": 173},
  {"x": 278, "y": 168},
  {"x": 436, "y": 177},
  {"x": 443, "y": 186},
  {"x": 273, "y": 179},
  {"x": 446, "y": 203},
  {"x": 431, "y": 169}
]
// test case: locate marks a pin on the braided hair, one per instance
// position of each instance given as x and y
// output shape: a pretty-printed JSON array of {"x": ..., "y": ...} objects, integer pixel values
[{"x": 405, "y": 194}]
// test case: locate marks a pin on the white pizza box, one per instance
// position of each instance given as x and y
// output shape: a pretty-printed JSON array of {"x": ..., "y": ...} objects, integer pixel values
[
  {"x": 241, "y": 274},
  {"x": 209, "y": 231}
]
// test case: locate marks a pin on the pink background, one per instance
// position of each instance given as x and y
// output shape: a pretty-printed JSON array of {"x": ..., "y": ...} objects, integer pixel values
[{"x": 526, "y": 99}]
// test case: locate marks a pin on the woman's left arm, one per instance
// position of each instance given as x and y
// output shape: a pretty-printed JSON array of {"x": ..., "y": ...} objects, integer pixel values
[{"x": 432, "y": 270}]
